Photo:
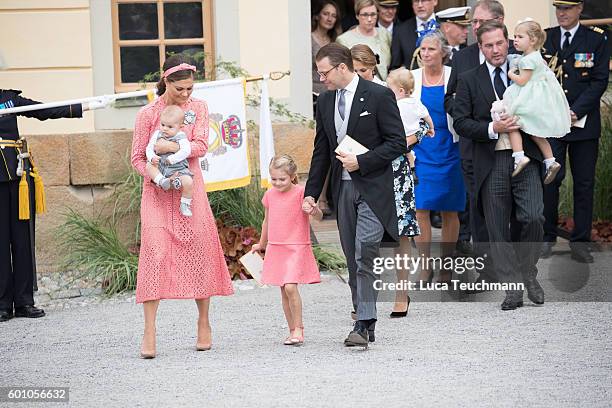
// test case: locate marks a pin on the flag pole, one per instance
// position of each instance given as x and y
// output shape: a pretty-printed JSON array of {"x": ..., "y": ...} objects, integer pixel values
[{"x": 275, "y": 76}]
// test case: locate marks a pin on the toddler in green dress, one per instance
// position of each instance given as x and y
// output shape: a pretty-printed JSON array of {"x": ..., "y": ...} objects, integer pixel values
[{"x": 536, "y": 98}]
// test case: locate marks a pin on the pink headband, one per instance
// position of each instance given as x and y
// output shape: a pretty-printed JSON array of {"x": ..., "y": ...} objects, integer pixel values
[{"x": 180, "y": 67}]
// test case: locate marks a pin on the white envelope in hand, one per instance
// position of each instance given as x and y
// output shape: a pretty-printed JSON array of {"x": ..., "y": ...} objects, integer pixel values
[
  {"x": 580, "y": 122},
  {"x": 253, "y": 263},
  {"x": 351, "y": 146}
]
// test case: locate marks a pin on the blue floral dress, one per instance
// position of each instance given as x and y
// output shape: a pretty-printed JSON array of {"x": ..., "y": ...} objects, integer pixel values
[{"x": 403, "y": 187}]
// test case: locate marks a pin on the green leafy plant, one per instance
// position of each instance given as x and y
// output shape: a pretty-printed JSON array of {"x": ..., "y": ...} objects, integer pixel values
[
  {"x": 239, "y": 206},
  {"x": 93, "y": 247},
  {"x": 329, "y": 259}
]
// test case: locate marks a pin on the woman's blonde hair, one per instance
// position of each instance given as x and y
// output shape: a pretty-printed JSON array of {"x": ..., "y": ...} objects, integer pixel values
[
  {"x": 403, "y": 78},
  {"x": 359, "y": 4},
  {"x": 534, "y": 32},
  {"x": 286, "y": 163},
  {"x": 364, "y": 54}
]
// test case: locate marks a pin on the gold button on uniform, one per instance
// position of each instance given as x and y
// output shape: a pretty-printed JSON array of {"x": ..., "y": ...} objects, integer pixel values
[{"x": 565, "y": 76}]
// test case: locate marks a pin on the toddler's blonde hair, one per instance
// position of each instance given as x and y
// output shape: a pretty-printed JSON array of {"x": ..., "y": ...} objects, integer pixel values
[
  {"x": 534, "y": 32},
  {"x": 286, "y": 163},
  {"x": 403, "y": 78}
]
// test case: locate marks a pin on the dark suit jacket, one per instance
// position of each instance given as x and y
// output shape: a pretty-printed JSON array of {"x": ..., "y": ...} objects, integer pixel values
[
  {"x": 466, "y": 59},
  {"x": 381, "y": 131},
  {"x": 472, "y": 115},
  {"x": 403, "y": 44},
  {"x": 583, "y": 86}
]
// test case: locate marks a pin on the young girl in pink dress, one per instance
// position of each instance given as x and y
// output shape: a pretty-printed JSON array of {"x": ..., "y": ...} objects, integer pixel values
[{"x": 285, "y": 237}]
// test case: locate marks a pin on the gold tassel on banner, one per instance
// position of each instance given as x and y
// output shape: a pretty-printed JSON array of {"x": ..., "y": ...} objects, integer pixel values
[
  {"x": 24, "y": 198},
  {"x": 39, "y": 192}
]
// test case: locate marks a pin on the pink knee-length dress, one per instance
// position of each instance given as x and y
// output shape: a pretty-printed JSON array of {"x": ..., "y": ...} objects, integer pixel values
[
  {"x": 289, "y": 257},
  {"x": 180, "y": 257}
]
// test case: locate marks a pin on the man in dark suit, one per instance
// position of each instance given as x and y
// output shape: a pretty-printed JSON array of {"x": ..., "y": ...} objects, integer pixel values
[
  {"x": 500, "y": 196},
  {"x": 579, "y": 56},
  {"x": 466, "y": 59},
  {"x": 362, "y": 185},
  {"x": 387, "y": 15},
  {"x": 407, "y": 36}
]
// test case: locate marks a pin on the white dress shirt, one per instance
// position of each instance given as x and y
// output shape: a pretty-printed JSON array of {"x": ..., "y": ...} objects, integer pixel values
[
  {"x": 503, "y": 140},
  {"x": 342, "y": 124},
  {"x": 350, "y": 89},
  {"x": 419, "y": 22},
  {"x": 572, "y": 32},
  {"x": 389, "y": 29}
]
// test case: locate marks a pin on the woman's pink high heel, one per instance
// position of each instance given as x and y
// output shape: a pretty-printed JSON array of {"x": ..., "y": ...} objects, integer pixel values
[{"x": 298, "y": 340}]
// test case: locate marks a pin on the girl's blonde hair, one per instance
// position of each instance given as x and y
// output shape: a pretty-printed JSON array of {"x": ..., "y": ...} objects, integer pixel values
[
  {"x": 286, "y": 163},
  {"x": 534, "y": 32},
  {"x": 403, "y": 78}
]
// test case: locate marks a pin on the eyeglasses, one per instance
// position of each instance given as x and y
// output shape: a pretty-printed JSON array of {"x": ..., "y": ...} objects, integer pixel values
[
  {"x": 481, "y": 22},
  {"x": 368, "y": 15},
  {"x": 324, "y": 74}
]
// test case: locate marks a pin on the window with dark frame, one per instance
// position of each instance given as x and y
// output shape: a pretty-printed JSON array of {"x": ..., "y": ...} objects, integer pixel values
[{"x": 145, "y": 32}]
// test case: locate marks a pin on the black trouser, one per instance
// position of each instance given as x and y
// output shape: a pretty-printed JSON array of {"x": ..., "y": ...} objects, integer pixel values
[
  {"x": 16, "y": 263},
  {"x": 503, "y": 198},
  {"x": 583, "y": 159}
]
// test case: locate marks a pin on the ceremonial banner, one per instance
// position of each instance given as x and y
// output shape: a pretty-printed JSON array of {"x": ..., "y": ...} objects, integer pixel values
[
  {"x": 226, "y": 164},
  {"x": 266, "y": 137}
]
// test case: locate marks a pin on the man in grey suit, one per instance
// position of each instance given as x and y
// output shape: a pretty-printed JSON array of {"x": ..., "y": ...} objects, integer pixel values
[
  {"x": 361, "y": 185},
  {"x": 498, "y": 193}
]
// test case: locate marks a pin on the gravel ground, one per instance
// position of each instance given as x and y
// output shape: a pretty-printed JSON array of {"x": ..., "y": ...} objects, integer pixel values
[{"x": 461, "y": 354}]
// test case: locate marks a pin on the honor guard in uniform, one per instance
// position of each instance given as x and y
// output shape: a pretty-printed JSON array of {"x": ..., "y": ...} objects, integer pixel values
[
  {"x": 579, "y": 57},
  {"x": 454, "y": 23},
  {"x": 21, "y": 196}
]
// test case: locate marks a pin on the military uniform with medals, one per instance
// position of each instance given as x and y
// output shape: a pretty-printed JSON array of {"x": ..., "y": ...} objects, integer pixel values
[{"x": 581, "y": 67}]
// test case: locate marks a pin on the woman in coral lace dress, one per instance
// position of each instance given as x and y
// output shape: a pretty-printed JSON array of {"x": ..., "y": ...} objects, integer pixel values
[{"x": 180, "y": 257}]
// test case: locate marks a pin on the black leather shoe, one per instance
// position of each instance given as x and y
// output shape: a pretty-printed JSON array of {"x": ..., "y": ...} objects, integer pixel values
[
  {"x": 436, "y": 219},
  {"x": 581, "y": 254},
  {"x": 31, "y": 312},
  {"x": 535, "y": 293},
  {"x": 512, "y": 302},
  {"x": 546, "y": 251},
  {"x": 464, "y": 247},
  {"x": 6, "y": 315}
]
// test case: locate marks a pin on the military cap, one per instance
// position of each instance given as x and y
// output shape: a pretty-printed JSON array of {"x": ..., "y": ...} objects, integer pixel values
[
  {"x": 388, "y": 3},
  {"x": 567, "y": 3},
  {"x": 457, "y": 15}
]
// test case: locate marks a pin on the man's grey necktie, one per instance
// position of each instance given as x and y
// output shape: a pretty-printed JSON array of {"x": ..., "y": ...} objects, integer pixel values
[{"x": 341, "y": 103}]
